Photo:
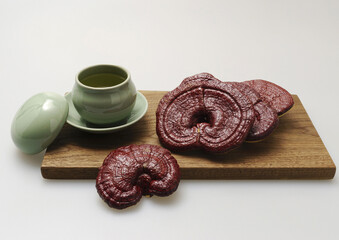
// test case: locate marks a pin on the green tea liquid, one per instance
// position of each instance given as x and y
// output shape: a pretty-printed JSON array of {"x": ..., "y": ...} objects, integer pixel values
[{"x": 102, "y": 80}]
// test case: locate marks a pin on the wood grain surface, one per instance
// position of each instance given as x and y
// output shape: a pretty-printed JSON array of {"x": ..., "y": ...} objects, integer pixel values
[{"x": 293, "y": 151}]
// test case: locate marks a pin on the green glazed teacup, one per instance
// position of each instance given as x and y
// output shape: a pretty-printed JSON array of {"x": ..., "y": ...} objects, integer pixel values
[{"x": 104, "y": 94}]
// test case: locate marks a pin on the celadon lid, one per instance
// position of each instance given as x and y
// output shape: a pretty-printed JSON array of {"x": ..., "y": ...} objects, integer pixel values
[{"x": 39, "y": 121}]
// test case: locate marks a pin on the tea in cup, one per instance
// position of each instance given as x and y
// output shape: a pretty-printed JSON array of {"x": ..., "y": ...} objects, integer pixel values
[{"x": 104, "y": 94}]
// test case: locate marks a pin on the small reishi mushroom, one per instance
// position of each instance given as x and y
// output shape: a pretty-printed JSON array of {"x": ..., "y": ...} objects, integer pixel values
[
  {"x": 266, "y": 118},
  {"x": 132, "y": 171},
  {"x": 203, "y": 112},
  {"x": 277, "y": 97}
]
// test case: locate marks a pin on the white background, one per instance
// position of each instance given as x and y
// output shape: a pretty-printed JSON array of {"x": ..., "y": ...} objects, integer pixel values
[{"x": 293, "y": 43}]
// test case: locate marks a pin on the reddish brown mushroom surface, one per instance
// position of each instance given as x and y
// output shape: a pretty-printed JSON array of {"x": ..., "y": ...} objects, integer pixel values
[
  {"x": 130, "y": 172},
  {"x": 266, "y": 118},
  {"x": 204, "y": 112},
  {"x": 277, "y": 97}
]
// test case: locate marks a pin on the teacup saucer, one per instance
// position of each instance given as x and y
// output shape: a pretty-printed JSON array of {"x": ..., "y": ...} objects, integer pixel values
[{"x": 76, "y": 121}]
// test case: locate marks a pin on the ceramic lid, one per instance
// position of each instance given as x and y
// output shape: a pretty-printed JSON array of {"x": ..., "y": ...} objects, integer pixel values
[{"x": 39, "y": 121}]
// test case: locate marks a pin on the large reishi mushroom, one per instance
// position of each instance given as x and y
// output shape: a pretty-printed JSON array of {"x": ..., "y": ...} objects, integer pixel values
[
  {"x": 266, "y": 118},
  {"x": 132, "y": 171},
  {"x": 203, "y": 112},
  {"x": 277, "y": 97}
]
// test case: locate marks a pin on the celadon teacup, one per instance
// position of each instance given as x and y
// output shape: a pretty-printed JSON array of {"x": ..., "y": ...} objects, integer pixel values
[{"x": 104, "y": 94}]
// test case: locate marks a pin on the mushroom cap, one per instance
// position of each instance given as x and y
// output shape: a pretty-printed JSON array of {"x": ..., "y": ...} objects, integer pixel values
[
  {"x": 266, "y": 118},
  {"x": 277, "y": 97},
  {"x": 203, "y": 112},
  {"x": 132, "y": 171}
]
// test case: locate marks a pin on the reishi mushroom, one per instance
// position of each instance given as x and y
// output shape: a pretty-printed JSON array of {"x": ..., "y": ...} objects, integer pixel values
[
  {"x": 132, "y": 171},
  {"x": 266, "y": 118},
  {"x": 204, "y": 112},
  {"x": 277, "y": 97}
]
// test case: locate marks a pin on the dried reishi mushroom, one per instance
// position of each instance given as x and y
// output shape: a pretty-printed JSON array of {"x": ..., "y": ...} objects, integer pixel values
[
  {"x": 130, "y": 172},
  {"x": 203, "y": 112},
  {"x": 277, "y": 97},
  {"x": 266, "y": 118}
]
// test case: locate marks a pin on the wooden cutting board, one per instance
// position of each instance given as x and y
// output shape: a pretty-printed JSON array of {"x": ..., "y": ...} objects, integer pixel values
[{"x": 293, "y": 151}]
